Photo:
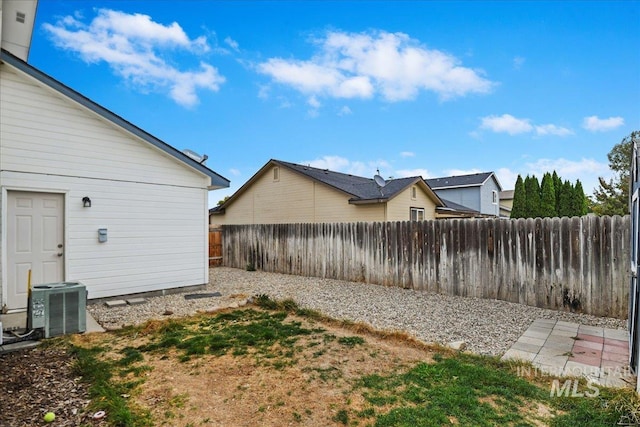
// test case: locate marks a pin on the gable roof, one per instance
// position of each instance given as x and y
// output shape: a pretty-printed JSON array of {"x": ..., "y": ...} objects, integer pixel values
[
  {"x": 362, "y": 190},
  {"x": 217, "y": 181},
  {"x": 471, "y": 180}
]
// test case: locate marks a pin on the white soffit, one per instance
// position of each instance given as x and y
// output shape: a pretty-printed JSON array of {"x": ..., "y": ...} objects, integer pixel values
[{"x": 16, "y": 26}]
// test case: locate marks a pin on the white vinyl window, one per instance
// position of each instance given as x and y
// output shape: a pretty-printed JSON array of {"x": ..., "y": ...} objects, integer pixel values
[
  {"x": 417, "y": 214},
  {"x": 494, "y": 199}
]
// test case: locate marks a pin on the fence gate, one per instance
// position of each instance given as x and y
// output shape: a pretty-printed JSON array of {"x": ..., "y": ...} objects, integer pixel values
[
  {"x": 215, "y": 247},
  {"x": 634, "y": 291}
]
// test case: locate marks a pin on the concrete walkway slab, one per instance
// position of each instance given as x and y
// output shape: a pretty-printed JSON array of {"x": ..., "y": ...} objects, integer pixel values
[
  {"x": 18, "y": 346},
  {"x": 560, "y": 348},
  {"x": 115, "y": 303}
]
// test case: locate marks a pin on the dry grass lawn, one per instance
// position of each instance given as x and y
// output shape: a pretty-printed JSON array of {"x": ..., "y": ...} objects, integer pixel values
[{"x": 308, "y": 390}]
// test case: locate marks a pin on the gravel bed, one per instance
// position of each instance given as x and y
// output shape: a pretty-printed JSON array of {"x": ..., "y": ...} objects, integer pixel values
[{"x": 487, "y": 326}]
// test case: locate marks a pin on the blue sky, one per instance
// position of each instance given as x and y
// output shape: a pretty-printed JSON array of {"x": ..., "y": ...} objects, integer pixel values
[{"x": 409, "y": 88}]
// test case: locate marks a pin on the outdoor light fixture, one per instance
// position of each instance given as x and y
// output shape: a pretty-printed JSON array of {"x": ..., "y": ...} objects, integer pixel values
[{"x": 86, "y": 202}]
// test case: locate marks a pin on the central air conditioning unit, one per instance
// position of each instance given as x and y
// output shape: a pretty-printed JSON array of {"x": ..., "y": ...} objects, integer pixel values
[{"x": 58, "y": 308}]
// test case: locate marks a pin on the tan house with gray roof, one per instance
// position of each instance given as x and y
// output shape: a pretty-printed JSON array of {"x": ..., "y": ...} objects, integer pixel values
[{"x": 283, "y": 192}]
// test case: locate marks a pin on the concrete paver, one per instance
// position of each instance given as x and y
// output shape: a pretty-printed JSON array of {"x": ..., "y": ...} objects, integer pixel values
[
  {"x": 532, "y": 348},
  {"x": 563, "y": 348},
  {"x": 616, "y": 334},
  {"x": 536, "y": 333},
  {"x": 531, "y": 340},
  {"x": 116, "y": 303}
]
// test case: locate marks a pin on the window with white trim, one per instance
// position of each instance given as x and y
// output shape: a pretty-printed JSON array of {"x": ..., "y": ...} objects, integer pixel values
[
  {"x": 417, "y": 214},
  {"x": 494, "y": 196},
  {"x": 276, "y": 173},
  {"x": 414, "y": 192}
]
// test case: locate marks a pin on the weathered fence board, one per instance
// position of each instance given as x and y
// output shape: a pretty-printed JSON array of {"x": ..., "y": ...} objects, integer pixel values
[{"x": 577, "y": 264}]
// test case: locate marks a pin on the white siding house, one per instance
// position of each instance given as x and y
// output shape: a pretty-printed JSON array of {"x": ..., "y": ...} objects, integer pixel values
[{"x": 58, "y": 148}]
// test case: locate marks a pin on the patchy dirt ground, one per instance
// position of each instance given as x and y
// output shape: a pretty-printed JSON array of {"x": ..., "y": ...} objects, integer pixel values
[
  {"x": 240, "y": 391},
  {"x": 309, "y": 383},
  {"x": 37, "y": 381}
]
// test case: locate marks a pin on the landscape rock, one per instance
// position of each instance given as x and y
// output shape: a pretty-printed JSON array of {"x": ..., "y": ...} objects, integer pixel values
[
  {"x": 457, "y": 345},
  {"x": 486, "y": 326}
]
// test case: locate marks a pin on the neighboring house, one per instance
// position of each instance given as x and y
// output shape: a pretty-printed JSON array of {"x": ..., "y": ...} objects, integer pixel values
[
  {"x": 282, "y": 192},
  {"x": 477, "y": 192},
  {"x": 70, "y": 168},
  {"x": 506, "y": 203}
]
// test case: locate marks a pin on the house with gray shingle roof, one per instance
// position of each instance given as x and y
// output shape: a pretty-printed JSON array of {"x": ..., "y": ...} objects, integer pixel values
[
  {"x": 284, "y": 192},
  {"x": 479, "y": 192}
]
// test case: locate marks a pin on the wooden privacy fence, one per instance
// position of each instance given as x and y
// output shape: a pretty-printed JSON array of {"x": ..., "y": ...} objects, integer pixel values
[{"x": 577, "y": 264}]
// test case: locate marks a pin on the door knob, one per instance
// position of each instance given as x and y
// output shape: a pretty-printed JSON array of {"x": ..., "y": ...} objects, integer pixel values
[
  {"x": 60, "y": 253},
  {"x": 59, "y": 245}
]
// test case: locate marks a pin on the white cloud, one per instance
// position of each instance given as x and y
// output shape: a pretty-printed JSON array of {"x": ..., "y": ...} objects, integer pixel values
[
  {"x": 345, "y": 111},
  {"x": 235, "y": 172},
  {"x": 334, "y": 163},
  {"x": 361, "y": 65},
  {"x": 313, "y": 102},
  {"x": 456, "y": 172},
  {"x": 263, "y": 91},
  {"x": 518, "y": 62},
  {"x": 586, "y": 170},
  {"x": 232, "y": 44},
  {"x": 514, "y": 126},
  {"x": 569, "y": 169},
  {"x": 475, "y": 134},
  {"x": 341, "y": 164},
  {"x": 315, "y": 105},
  {"x": 506, "y": 124},
  {"x": 407, "y": 154},
  {"x": 553, "y": 130},
  {"x": 405, "y": 173},
  {"x": 284, "y": 102},
  {"x": 507, "y": 178},
  {"x": 596, "y": 124},
  {"x": 139, "y": 50}
]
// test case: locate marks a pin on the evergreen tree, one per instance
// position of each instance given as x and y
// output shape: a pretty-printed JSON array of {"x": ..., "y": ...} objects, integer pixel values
[
  {"x": 518, "y": 210},
  {"x": 582, "y": 201},
  {"x": 575, "y": 203},
  {"x": 557, "y": 185},
  {"x": 566, "y": 194},
  {"x": 532, "y": 192},
  {"x": 553, "y": 197},
  {"x": 547, "y": 197}
]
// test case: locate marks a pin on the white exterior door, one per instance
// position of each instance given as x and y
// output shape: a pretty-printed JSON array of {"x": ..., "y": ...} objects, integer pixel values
[{"x": 35, "y": 239}]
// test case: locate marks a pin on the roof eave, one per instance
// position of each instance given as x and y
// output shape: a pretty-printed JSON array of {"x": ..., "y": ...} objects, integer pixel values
[
  {"x": 367, "y": 201},
  {"x": 455, "y": 186}
]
